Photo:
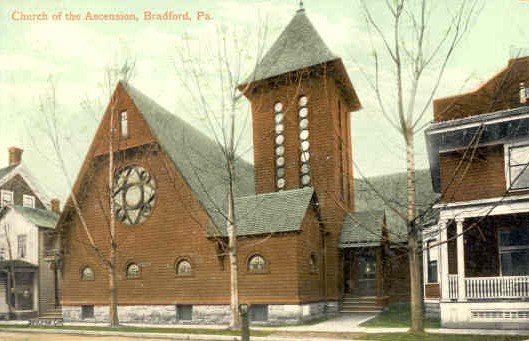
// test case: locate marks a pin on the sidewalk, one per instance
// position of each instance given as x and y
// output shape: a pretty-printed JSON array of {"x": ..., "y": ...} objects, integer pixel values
[{"x": 341, "y": 326}]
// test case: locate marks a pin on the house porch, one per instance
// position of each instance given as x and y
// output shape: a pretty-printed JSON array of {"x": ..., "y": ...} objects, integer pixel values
[{"x": 483, "y": 266}]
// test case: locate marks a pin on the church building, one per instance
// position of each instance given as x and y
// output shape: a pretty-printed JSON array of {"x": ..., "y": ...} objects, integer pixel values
[{"x": 293, "y": 206}]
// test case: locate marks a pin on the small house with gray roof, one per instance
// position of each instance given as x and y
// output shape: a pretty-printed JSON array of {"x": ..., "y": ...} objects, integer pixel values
[{"x": 28, "y": 281}]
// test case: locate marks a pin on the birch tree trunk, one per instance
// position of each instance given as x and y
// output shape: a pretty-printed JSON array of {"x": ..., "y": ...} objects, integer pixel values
[
  {"x": 113, "y": 308},
  {"x": 416, "y": 303}
]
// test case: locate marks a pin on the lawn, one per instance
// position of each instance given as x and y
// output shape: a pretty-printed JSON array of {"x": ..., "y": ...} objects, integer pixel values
[
  {"x": 439, "y": 337},
  {"x": 142, "y": 330},
  {"x": 397, "y": 316}
]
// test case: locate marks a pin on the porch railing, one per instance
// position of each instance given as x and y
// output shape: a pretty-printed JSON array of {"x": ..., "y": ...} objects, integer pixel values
[
  {"x": 496, "y": 287},
  {"x": 452, "y": 287}
]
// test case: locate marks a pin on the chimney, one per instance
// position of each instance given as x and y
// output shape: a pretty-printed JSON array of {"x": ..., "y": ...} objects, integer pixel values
[
  {"x": 55, "y": 205},
  {"x": 15, "y": 156}
]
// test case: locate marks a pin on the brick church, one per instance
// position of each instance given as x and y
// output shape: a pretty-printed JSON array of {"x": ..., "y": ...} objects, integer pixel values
[{"x": 300, "y": 248}]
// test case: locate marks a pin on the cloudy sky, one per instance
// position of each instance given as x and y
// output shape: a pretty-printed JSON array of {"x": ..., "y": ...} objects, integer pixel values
[{"x": 75, "y": 53}]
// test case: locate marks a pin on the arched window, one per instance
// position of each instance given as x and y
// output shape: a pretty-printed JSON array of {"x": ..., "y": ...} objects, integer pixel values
[
  {"x": 313, "y": 263},
  {"x": 256, "y": 263},
  {"x": 303, "y": 113},
  {"x": 183, "y": 267},
  {"x": 279, "y": 116},
  {"x": 87, "y": 274},
  {"x": 133, "y": 270}
]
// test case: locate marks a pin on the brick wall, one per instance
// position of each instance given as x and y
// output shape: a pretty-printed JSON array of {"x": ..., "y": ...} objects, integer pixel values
[
  {"x": 327, "y": 106},
  {"x": 176, "y": 229}
]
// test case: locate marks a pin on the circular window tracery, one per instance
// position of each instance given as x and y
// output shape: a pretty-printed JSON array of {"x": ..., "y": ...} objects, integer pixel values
[{"x": 134, "y": 195}]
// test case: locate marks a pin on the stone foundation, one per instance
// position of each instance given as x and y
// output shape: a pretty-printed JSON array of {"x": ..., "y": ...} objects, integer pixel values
[
  {"x": 432, "y": 310},
  {"x": 203, "y": 314}
]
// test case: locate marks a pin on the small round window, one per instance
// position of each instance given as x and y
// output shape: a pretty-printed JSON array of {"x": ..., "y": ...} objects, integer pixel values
[
  {"x": 183, "y": 267},
  {"x": 87, "y": 274},
  {"x": 134, "y": 195},
  {"x": 133, "y": 270},
  {"x": 256, "y": 263}
]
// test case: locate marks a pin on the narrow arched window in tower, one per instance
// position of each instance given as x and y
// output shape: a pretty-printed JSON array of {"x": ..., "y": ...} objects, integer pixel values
[
  {"x": 303, "y": 115},
  {"x": 279, "y": 145}
]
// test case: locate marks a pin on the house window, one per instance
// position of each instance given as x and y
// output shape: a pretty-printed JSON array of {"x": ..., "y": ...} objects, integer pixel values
[
  {"x": 258, "y": 313},
  {"x": 256, "y": 263},
  {"x": 87, "y": 274},
  {"x": 124, "y": 123},
  {"x": 184, "y": 312},
  {"x": 133, "y": 270},
  {"x": 2, "y": 253},
  {"x": 6, "y": 198},
  {"x": 28, "y": 201},
  {"x": 279, "y": 145},
  {"x": 303, "y": 119},
  {"x": 518, "y": 167},
  {"x": 22, "y": 247},
  {"x": 432, "y": 263},
  {"x": 313, "y": 263},
  {"x": 87, "y": 312},
  {"x": 514, "y": 251},
  {"x": 183, "y": 267}
]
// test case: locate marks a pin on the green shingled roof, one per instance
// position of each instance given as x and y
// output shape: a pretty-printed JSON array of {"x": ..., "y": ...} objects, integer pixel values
[
  {"x": 38, "y": 217},
  {"x": 198, "y": 158},
  {"x": 273, "y": 212},
  {"x": 299, "y": 46},
  {"x": 362, "y": 229},
  {"x": 393, "y": 188}
]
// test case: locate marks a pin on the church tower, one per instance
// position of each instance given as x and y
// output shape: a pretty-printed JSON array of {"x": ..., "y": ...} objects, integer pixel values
[{"x": 301, "y": 99}]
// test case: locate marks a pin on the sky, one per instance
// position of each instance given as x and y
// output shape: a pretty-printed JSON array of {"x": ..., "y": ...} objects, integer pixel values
[{"x": 74, "y": 54}]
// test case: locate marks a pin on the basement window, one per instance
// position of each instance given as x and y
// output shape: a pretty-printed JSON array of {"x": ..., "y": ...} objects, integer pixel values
[
  {"x": 517, "y": 167},
  {"x": 87, "y": 312},
  {"x": 184, "y": 312},
  {"x": 259, "y": 312}
]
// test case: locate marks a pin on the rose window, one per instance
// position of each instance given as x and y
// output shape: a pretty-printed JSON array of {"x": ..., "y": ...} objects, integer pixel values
[{"x": 134, "y": 195}]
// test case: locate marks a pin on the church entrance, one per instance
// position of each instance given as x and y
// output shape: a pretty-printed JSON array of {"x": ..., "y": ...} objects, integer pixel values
[
  {"x": 367, "y": 276},
  {"x": 361, "y": 272}
]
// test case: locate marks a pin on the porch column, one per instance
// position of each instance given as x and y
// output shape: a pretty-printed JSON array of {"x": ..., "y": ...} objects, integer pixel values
[
  {"x": 443, "y": 258},
  {"x": 460, "y": 261}
]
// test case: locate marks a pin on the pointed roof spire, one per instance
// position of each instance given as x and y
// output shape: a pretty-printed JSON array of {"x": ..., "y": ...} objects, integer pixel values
[
  {"x": 301, "y": 6},
  {"x": 298, "y": 46}
]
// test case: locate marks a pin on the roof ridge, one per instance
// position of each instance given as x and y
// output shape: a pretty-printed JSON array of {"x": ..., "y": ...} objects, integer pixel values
[{"x": 277, "y": 192}]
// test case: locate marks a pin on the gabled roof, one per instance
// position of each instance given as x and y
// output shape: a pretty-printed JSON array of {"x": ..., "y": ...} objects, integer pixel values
[
  {"x": 393, "y": 188},
  {"x": 10, "y": 172},
  {"x": 38, "y": 217},
  {"x": 298, "y": 46},
  {"x": 362, "y": 229},
  {"x": 274, "y": 212},
  {"x": 197, "y": 157},
  {"x": 5, "y": 171}
]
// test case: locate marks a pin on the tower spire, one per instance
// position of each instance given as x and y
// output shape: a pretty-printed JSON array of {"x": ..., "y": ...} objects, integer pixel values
[{"x": 301, "y": 8}]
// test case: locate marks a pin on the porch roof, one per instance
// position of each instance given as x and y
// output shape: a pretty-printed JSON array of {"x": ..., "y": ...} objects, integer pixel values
[
  {"x": 17, "y": 264},
  {"x": 362, "y": 229}
]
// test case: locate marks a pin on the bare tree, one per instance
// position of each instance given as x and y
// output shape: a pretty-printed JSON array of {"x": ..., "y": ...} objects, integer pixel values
[
  {"x": 49, "y": 110},
  {"x": 211, "y": 72},
  {"x": 417, "y": 50}
]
